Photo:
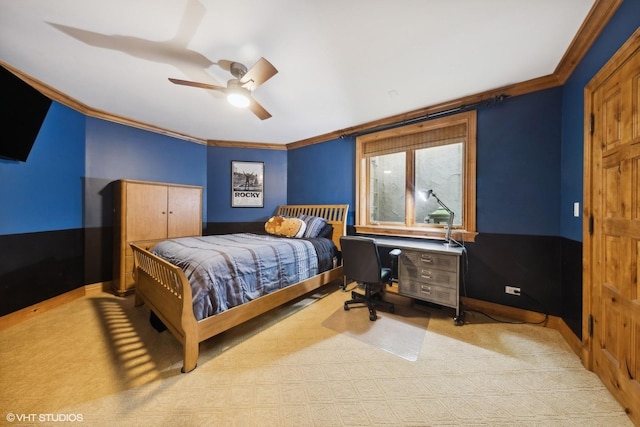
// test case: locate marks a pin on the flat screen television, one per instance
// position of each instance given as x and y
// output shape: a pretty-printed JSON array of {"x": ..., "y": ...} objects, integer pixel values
[{"x": 22, "y": 111}]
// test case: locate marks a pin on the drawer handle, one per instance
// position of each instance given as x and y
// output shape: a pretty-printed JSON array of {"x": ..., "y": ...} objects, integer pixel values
[
  {"x": 426, "y": 276},
  {"x": 425, "y": 289},
  {"x": 426, "y": 258}
]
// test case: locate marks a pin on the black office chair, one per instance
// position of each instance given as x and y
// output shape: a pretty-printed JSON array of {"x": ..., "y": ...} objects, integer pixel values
[{"x": 361, "y": 263}]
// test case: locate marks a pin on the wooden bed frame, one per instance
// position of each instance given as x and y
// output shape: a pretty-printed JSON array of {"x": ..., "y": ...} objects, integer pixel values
[{"x": 164, "y": 288}]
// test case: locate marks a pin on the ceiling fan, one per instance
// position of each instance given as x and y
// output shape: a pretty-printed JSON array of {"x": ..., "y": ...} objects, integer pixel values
[{"x": 238, "y": 89}]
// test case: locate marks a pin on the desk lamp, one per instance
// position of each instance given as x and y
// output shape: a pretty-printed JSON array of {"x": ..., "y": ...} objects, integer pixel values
[{"x": 447, "y": 238}]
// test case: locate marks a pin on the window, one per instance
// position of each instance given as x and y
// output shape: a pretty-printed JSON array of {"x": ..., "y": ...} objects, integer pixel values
[{"x": 396, "y": 167}]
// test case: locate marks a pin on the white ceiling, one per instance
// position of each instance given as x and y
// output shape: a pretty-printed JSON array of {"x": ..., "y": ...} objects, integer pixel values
[{"x": 341, "y": 63}]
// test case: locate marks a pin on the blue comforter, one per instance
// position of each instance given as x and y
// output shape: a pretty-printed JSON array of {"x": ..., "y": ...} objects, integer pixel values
[{"x": 231, "y": 269}]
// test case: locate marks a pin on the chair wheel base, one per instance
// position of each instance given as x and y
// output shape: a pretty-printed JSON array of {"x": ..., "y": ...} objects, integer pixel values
[{"x": 371, "y": 302}]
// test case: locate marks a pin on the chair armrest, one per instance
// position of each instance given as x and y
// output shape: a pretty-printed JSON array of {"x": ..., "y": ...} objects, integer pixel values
[{"x": 394, "y": 254}]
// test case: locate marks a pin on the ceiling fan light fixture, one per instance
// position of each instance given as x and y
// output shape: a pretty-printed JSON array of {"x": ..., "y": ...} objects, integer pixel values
[
  {"x": 237, "y": 99},
  {"x": 237, "y": 95}
]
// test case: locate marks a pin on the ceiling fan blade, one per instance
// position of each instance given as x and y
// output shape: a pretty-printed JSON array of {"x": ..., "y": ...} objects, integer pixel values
[
  {"x": 258, "y": 74},
  {"x": 196, "y": 84},
  {"x": 258, "y": 110}
]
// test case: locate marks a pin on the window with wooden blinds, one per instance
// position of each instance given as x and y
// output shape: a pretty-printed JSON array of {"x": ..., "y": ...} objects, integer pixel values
[
  {"x": 394, "y": 165},
  {"x": 414, "y": 141}
]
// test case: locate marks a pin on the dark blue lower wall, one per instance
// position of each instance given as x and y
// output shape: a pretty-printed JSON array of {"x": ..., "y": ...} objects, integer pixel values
[
  {"x": 532, "y": 263},
  {"x": 572, "y": 285},
  {"x": 548, "y": 270},
  {"x": 37, "y": 266}
]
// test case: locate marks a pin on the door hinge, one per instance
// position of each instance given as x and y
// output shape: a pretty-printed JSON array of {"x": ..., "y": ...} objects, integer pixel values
[
  {"x": 590, "y": 224},
  {"x": 592, "y": 125},
  {"x": 590, "y": 326}
]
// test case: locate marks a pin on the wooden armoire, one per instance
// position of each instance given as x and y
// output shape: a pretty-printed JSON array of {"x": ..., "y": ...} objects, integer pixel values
[{"x": 147, "y": 212}]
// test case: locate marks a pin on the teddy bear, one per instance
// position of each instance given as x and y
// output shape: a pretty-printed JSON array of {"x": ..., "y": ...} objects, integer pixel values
[
  {"x": 287, "y": 227},
  {"x": 272, "y": 226}
]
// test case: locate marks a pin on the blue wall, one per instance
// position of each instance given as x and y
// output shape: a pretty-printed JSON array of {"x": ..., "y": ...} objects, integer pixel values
[
  {"x": 323, "y": 174},
  {"x": 219, "y": 183},
  {"x": 518, "y": 165},
  {"x": 619, "y": 29},
  {"x": 45, "y": 192},
  {"x": 115, "y": 152}
]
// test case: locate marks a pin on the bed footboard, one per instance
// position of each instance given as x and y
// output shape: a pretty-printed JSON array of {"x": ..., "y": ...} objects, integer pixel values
[{"x": 166, "y": 290}]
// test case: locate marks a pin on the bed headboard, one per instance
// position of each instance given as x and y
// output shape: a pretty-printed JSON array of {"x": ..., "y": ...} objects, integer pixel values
[{"x": 335, "y": 215}]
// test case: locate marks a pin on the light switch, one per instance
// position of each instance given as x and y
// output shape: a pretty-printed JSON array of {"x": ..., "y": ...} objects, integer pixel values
[{"x": 576, "y": 209}]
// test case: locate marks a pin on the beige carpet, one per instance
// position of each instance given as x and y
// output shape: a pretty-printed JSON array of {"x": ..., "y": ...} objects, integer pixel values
[
  {"x": 98, "y": 358},
  {"x": 400, "y": 333}
]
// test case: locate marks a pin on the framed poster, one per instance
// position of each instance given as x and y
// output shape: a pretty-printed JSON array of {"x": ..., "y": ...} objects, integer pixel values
[{"x": 247, "y": 184}]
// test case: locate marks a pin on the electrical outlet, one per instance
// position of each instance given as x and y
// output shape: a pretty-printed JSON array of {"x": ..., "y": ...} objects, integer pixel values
[{"x": 512, "y": 290}]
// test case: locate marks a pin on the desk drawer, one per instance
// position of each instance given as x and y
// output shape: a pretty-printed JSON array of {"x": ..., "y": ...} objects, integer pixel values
[
  {"x": 433, "y": 276},
  {"x": 432, "y": 293},
  {"x": 420, "y": 259}
]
